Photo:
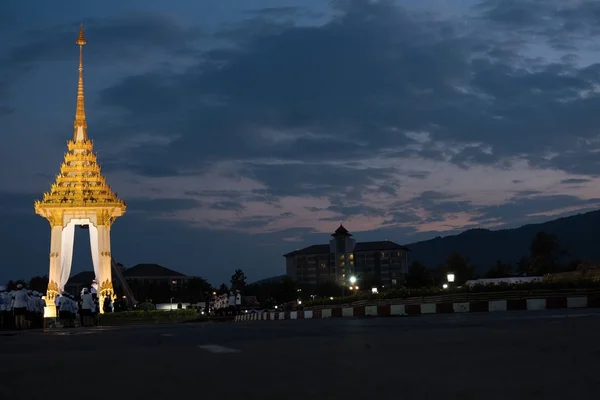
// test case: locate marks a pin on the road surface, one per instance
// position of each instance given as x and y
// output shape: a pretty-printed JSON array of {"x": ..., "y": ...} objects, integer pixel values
[{"x": 509, "y": 355}]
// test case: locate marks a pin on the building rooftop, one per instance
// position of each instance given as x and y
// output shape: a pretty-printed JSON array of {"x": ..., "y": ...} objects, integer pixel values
[
  {"x": 383, "y": 245},
  {"x": 150, "y": 270},
  {"x": 341, "y": 231},
  {"x": 82, "y": 278}
]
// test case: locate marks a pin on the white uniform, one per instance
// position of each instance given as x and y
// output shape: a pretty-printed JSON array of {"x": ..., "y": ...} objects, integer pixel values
[
  {"x": 64, "y": 304},
  {"x": 6, "y": 301},
  {"x": 87, "y": 302},
  {"x": 21, "y": 299}
]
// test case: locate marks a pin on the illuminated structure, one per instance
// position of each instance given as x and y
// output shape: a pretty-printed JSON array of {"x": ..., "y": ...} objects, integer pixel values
[
  {"x": 79, "y": 196},
  {"x": 346, "y": 261}
]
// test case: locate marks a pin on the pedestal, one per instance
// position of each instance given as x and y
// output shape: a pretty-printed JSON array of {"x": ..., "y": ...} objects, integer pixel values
[{"x": 50, "y": 311}]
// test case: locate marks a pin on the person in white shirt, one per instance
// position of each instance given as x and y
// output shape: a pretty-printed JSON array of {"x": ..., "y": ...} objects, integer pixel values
[
  {"x": 64, "y": 306},
  {"x": 74, "y": 310},
  {"x": 231, "y": 303},
  {"x": 238, "y": 301},
  {"x": 5, "y": 308},
  {"x": 32, "y": 306},
  {"x": 87, "y": 308},
  {"x": 20, "y": 307},
  {"x": 41, "y": 308}
]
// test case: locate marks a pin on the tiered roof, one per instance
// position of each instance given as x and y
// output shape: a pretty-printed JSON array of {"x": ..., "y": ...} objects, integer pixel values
[{"x": 80, "y": 183}]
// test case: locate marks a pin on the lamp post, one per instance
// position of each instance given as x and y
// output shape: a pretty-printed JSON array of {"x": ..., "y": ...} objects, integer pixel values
[{"x": 450, "y": 277}]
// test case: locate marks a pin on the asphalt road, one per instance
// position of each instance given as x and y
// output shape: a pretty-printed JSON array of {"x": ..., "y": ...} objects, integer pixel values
[{"x": 510, "y": 355}]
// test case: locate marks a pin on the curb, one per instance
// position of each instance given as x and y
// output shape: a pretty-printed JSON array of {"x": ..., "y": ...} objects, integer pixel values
[{"x": 388, "y": 310}]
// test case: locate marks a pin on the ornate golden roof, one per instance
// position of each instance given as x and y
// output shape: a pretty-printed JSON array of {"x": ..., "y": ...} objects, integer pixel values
[{"x": 80, "y": 184}]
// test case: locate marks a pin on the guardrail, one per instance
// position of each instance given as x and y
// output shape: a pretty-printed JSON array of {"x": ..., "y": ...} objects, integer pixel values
[{"x": 467, "y": 297}]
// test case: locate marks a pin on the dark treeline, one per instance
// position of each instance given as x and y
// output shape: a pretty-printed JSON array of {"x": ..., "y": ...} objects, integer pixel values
[{"x": 546, "y": 255}]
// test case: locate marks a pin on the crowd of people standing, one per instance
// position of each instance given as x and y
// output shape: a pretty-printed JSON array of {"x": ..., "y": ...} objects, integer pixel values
[
  {"x": 21, "y": 308},
  {"x": 24, "y": 309}
]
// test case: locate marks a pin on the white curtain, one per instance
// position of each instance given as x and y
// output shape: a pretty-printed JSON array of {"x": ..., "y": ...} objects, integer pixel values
[
  {"x": 66, "y": 253},
  {"x": 94, "y": 246}
]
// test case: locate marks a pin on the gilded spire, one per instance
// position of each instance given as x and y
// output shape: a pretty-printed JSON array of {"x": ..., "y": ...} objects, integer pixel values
[
  {"x": 80, "y": 133},
  {"x": 80, "y": 188}
]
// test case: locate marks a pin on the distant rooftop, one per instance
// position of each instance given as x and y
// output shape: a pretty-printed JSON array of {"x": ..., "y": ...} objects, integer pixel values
[
  {"x": 150, "y": 270},
  {"x": 384, "y": 245},
  {"x": 82, "y": 278}
]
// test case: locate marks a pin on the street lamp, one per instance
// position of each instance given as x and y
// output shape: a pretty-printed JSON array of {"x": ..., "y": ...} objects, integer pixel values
[
  {"x": 445, "y": 286},
  {"x": 450, "y": 277},
  {"x": 353, "y": 280},
  {"x": 374, "y": 290}
]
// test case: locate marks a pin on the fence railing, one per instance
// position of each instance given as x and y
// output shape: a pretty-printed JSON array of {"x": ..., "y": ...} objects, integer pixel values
[{"x": 467, "y": 297}]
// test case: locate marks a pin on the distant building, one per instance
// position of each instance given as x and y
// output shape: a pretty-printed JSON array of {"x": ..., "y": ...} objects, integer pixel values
[
  {"x": 380, "y": 263},
  {"x": 140, "y": 273},
  {"x": 154, "y": 273}
]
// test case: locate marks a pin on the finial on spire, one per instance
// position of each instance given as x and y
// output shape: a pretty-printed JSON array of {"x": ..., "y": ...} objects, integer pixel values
[
  {"x": 80, "y": 133},
  {"x": 81, "y": 39}
]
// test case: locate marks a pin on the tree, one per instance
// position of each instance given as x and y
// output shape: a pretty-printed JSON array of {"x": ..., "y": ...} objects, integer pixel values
[
  {"x": 545, "y": 253},
  {"x": 12, "y": 285},
  {"x": 196, "y": 288},
  {"x": 523, "y": 266},
  {"x": 223, "y": 288},
  {"x": 418, "y": 275},
  {"x": 286, "y": 291},
  {"x": 39, "y": 283},
  {"x": 238, "y": 280},
  {"x": 499, "y": 270},
  {"x": 458, "y": 265}
]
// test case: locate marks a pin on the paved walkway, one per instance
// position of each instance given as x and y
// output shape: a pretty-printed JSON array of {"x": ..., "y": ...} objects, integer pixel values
[{"x": 517, "y": 355}]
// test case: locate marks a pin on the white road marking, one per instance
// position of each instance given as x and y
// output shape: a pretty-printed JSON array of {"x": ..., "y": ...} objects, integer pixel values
[{"x": 214, "y": 348}]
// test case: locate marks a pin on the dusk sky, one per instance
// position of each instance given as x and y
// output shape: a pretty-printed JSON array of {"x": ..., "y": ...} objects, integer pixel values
[{"x": 237, "y": 131}]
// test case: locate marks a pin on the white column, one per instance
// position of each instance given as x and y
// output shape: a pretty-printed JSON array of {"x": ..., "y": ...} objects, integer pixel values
[
  {"x": 95, "y": 249},
  {"x": 104, "y": 268},
  {"x": 54, "y": 270}
]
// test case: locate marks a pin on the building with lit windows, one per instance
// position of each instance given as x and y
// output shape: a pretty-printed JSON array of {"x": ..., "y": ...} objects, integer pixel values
[{"x": 378, "y": 263}]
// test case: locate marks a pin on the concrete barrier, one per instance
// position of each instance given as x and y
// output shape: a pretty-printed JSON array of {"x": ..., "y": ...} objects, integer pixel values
[{"x": 387, "y": 310}]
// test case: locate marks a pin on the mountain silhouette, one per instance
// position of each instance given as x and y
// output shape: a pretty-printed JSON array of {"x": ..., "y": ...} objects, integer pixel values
[{"x": 578, "y": 234}]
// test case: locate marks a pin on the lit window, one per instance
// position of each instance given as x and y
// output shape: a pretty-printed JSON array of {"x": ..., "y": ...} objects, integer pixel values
[
  {"x": 174, "y": 282},
  {"x": 352, "y": 256}
]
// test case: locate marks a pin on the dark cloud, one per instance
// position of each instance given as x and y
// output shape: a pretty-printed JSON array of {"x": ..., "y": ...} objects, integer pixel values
[
  {"x": 521, "y": 207},
  {"x": 400, "y": 71},
  {"x": 271, "y": 83},
  {"x": 156, "y": 206},
  {"x": 582, "y": 161},
  {"x": 574, "y": 181},
  {"x": 311, "y": 179},
  {"x": 561, "y": 22},
  {"x": 228, "y": 205}
]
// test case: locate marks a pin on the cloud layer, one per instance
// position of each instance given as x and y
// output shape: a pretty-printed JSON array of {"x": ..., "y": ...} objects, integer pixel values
[{"x": 395, "y": 120}]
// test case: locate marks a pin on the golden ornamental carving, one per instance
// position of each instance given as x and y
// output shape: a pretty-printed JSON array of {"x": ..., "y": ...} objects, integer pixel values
[
  {"x": 55, "y": 218},
  {"x": 52, "y": 255},
  {"x": 52, "y": 291},
  {"x": 106, "y": 288},
  {"x": 105, "y": 254}
]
